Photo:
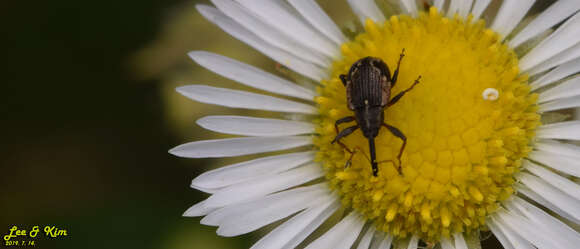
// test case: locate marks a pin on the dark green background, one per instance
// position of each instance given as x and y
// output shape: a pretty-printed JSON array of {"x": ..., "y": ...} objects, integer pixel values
[{"x": 84, "y": 140}]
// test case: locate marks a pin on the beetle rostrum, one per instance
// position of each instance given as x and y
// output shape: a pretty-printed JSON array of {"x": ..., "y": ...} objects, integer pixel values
[{"x": 368, "y": 91}]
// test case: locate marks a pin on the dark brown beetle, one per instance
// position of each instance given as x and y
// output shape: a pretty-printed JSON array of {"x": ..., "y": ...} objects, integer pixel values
[{"x": 368, "y": 92}]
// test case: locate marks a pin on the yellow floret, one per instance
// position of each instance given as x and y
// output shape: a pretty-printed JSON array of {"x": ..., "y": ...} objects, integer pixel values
[{"x": 462, "y": 150}]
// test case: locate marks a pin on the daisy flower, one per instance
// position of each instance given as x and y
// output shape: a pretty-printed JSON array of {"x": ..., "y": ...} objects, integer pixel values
[{"x": 482, "y": 151}]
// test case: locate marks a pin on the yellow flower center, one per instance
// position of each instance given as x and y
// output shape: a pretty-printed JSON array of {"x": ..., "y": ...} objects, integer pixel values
[{"x": 468, "y": 123}]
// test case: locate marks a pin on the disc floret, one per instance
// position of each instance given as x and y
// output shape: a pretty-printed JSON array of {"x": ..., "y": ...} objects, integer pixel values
[{"x": 462, "y": 149}]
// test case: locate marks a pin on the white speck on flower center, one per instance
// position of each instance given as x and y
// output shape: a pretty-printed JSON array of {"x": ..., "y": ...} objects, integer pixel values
[{"x": 490, "y": 94}]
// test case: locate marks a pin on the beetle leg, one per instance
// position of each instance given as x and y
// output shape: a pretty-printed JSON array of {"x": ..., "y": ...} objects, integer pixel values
[
  {"x": 400, "y": 135},
  {"x": 396, "y": 73},
  {"x": 344, "y": 133},
  {"x": 337, "y": 138},
  {"x": 356, "y": 149},
  {"x": 343, "y": 79},
  {"x": 343, "y": 120},
  {"x": 386, "y": 161},
  {"x": 349, "y": 161},
  {"x": 400, "y": 95}
]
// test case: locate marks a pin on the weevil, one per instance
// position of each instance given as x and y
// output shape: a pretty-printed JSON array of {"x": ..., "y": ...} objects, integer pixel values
[{"x": 368, "y": 92}]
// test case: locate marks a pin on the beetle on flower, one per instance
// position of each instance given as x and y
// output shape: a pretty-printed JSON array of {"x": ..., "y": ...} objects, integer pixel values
[{"x": 477, "y": 156}]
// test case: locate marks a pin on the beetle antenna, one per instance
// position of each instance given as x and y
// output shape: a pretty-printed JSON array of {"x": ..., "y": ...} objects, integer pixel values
[{"x": 374, "y": 163}]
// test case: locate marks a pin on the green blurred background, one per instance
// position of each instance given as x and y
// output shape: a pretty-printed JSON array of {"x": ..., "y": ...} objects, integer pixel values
[
  {"x": 87, "y": 122},
  {"x": 89, "y": 111}
]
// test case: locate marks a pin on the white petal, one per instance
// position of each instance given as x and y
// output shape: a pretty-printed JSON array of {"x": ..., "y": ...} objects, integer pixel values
[
  {"x": 365, "y": 241},
  {"x": 205, "y": 190},
  {"x": 565, "y": 37},
  {"x": 526, "y": 229},
  {"x": 461, "y": 7},
  {"x": 413, "y": 242},
  {"x": 239, "y": 32},
  {"x": 318, "y": 18},
  {"x": 262, "y": 186},
  {"x": 242, "y": 99},
  {"x": 439, "y": 5},
  {"x": 510, "y": 14},
  {"x": 479, "y": 7},
  {"x": 498, "y": 233},
  {"x": 454, "y": 6},
  {"x": 569, "y": 88},
  {"x": 290, "y": 232},
  {"x": 342, "y": 235},
  {"x": 551, "y": 194},
  {"x": 386, "y": 241},
  {"x": 199, "y": 209},
  {"x": 557, "y": 12},
  {"x": 244, "y": 171},
  {"x": 378, "y": 239},
  {"x": 459, "y": 241},
  {"x": 249, "y": 75},
  {"x": 465, "y": 8},
  {"x": 568, "y": 165},
  {"x": 539, "y": 199},
  {"x": 238, "y": 146},
  {"x": 507, "y": 238},
  {"x": 557, "y": 74},
  {"x": 277, "y": 14},
  {"x": 565, "y": 56},
  {"x": 572, "y": 102},
  {"x": 269, "y": 34},
  {"x": 447, "y": 244},
  {"x": 555, "y": 147},
  {"x": 569, "y": 130},
  {"x": 410, "y": 7},
  {"x": 565, "y": 236},
  {"x": 311, "y": 227},
  {"x": 366, "y": 9},
  {"x": 259, "y": 127},
  {"x": 250, "y": 217},
  {"x": 271, "y": 208},
  {"x": 563, "y": 184}
]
